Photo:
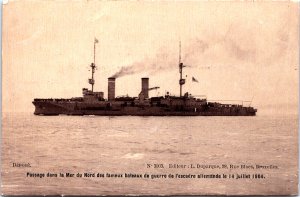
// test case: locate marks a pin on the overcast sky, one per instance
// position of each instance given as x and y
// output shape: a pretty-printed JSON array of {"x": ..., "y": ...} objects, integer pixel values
[{"x": 236, "y": 50}]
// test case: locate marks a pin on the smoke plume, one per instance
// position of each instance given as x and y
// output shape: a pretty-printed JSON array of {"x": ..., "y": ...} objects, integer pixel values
[
  {"x": 238, "y": 44},
  {"x": 161, "y": 61}
]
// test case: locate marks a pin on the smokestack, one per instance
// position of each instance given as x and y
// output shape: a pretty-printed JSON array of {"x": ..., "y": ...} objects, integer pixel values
[
  {"x": 145, "y": 87},
  {"x": 111, "y": 88}
]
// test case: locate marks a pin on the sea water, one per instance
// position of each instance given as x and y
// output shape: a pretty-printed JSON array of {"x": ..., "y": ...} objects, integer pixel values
[{"x": 102, "y": 148}]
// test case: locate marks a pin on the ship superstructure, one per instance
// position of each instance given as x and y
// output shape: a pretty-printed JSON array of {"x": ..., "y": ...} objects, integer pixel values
[{"x": 94, "y": 103}]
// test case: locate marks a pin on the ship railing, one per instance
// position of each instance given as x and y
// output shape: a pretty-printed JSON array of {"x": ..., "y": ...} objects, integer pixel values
[
  {"x": 43, "y": 99},
  {"x": 200, "y": 97},
  {"x": 229, "y": 103},
  {"x": 57, "y": 99}
]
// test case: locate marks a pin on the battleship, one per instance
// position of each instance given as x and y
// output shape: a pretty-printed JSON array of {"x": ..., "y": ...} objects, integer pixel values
[{"x": 94, "y": 103}]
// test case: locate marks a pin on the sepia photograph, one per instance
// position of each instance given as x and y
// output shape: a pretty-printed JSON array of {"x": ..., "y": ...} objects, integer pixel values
[{"x": 150, "y": 97}]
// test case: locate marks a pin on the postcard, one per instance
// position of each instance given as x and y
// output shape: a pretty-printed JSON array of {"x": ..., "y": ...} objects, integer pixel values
[{"x": 149, "y": 98}]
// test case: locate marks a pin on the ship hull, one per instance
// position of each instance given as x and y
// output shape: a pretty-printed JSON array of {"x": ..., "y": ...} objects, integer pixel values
[{"x": 100, "y": 109}]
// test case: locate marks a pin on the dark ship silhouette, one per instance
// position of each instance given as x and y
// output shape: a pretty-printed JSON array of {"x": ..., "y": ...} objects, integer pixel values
[{"x": 94, "y": 103}]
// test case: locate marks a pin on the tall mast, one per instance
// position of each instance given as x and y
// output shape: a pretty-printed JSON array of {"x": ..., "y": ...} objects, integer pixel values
[
  {"x": 93, "y": 66},
  {"x": 181, "y": 81},
  {"x": 179, "y": 51}
]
